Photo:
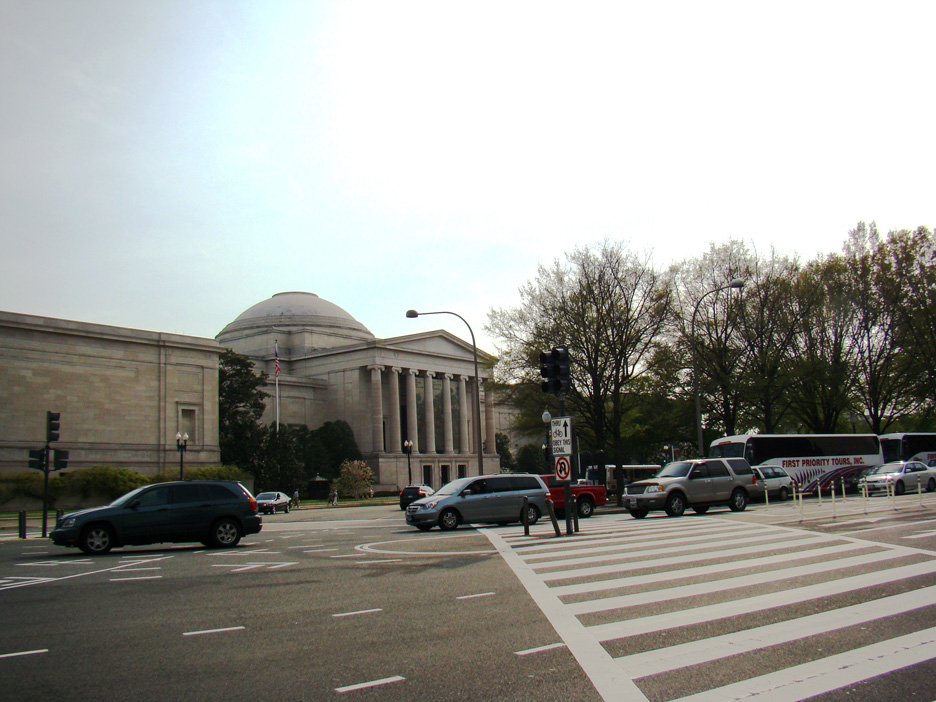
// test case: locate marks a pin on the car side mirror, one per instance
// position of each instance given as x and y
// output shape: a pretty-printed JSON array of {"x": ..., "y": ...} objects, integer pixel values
[{"x": 133, "y": 504}]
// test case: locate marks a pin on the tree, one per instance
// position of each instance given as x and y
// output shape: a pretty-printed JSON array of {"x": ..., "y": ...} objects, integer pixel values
[
  {"x": 502, "y": 442},
  {"x": 354, "y": 478},
  {"x": 337, "y": 440},
  {"x": 279, "y": 466},
  {"x": 240, "y": 407},
  {"x": 530, "y": 459}
]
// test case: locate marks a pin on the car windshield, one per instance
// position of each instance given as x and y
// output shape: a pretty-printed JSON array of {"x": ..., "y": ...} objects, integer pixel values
[
  {"x": 266, "y": 496},
  {"x": 680, "y": 469},
  {"x": 124, "y": 499},
  {"x": 454, "y": 486},
  {"x": 889, "y": 468}
]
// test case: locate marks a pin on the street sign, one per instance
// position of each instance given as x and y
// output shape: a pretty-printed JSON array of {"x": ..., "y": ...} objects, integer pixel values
[
  {"x": 563, "y": 468},
  {"x": 560, "y": 435}
]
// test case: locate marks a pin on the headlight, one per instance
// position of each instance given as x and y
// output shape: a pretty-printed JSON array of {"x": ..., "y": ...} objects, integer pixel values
[
  {"x": 429, "y": 505},
  {"x": 68, "y": 523},
  {"x": 654, "y": 488}
]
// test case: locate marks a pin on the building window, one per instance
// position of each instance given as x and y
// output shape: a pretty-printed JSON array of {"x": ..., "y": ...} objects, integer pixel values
[
  {"x": 188, "y": 423},
  {"x": 427, "y": 476},
  {"x": 462, "y": 470},
  {"x": 444, "y": 468}
]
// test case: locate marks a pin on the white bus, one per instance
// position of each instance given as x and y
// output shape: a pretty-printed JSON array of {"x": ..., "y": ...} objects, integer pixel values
[
  {"x": 909, "y": 446},
  {"x": 810, "y": 459}
]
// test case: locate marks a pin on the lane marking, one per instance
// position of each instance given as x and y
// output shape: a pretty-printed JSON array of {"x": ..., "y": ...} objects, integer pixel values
[
  {"x": 360, "y": 611},
  {"x": 142, "y": 577},
  {"x": 373, "y": 683},
  {"x": 213, "y": 631},
  {"x": 383, "y": 560},
  {"x": 539, "y": 649},
  {"x": 23, "y": 653},
  {"x": 471, "y": 597}
]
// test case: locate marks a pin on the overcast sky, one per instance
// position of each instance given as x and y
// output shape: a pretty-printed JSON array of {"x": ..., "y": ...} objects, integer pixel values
[{"x": 166, "y": 164}]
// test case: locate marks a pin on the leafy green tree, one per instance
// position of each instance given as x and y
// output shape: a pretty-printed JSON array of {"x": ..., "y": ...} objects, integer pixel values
[
  {"x": 279, "y": 466},
  {"x": 502, "y": 442},
  {"x": 240, "y": 408},
  {"x": 339, "y": 445},
  {"x": 530, "y": 459},
  {"x": 354, "y": 478}
]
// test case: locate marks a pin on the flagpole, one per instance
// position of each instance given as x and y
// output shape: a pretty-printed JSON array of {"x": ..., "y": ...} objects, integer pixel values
[{"x": 276, "y": 373}]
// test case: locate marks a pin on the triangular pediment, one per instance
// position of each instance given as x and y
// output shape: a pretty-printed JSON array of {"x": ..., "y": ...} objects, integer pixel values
[{"x": 437, "y": 343}]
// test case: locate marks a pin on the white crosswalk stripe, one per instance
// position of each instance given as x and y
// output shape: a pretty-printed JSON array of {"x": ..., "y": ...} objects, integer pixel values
[{"x": 670, "y": 599}]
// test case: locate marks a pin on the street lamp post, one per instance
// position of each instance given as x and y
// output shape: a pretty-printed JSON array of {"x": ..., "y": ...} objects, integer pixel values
[
  {"x": 736, "y": 284},
  {"x": 412, "y": 314},
  {"x": 408, "y": 450},
  {"x": 181, "y": 441}
]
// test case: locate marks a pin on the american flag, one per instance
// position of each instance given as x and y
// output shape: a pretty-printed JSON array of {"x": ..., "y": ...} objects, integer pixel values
[{"x": 276, "y": 365}]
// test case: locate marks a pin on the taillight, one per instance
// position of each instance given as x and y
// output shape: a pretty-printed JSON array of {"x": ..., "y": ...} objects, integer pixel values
[{"x": 253, "y": 505}]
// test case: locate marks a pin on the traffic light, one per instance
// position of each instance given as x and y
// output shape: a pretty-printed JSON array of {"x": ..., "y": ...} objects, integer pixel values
[
  {"x": 37, "y": 459},
  {"x": 52, "y": 426},
  {"x": 60, "y": 460},
  {"x": 554, "y": 368}
]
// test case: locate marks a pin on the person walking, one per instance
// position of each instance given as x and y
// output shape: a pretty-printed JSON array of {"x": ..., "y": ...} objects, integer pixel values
[{"x": 295, "y": 499}]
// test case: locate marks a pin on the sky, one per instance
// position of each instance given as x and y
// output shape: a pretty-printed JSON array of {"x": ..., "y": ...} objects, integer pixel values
[{"x": 167, "y": 164}]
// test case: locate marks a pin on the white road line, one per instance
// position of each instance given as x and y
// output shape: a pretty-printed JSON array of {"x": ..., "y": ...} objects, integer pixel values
[
  {"x": 539, "y": 649},
  {"x": 718, "y": 647},
  {"x": 372, "y": 683},
  {"x": 213, "y": 631},
  {"x": 605, "y": 674},
  {"x": 708, "y": 613},
  {"x": 144, "y": 577},
  {"x": 827, "y": 674},
  {"x": 382, "y": 560},
  {"x": 360, "y": 611},
  {"x": 24, "y": 653},
  {"x": 471, "y": 597}
]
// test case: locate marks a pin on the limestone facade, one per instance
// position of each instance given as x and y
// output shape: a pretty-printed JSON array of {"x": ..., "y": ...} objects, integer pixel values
[{"x": 122, "y": 394}]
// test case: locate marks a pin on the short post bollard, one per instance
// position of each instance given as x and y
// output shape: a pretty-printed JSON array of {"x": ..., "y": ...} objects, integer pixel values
[
  {"x": 552, "y": 516},
  {"x": 22, "y": 524},
  {"x": 575, "y": 517},
  {"x": 526, "y": 516}
]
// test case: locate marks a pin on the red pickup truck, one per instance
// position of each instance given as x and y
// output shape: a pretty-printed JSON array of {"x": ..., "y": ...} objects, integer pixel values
[{"x": 587, "y": 497}]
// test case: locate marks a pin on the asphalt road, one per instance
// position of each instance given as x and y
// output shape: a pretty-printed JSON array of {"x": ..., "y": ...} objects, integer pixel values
[{"x": 781, "y": 602}]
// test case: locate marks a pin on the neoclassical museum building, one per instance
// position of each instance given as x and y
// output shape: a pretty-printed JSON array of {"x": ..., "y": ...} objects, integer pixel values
[{"x": 124, "y": 394}]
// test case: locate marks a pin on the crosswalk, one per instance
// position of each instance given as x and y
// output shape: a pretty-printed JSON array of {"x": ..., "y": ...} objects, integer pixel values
[{"x": 709, "y": 609}]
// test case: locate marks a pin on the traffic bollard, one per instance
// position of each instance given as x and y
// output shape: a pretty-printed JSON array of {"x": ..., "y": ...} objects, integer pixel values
[
  {"x": 22, "y": 524},
  {"x": 526, "y": 516}
]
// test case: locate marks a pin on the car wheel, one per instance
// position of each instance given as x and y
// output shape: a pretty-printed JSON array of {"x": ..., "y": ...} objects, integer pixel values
[
  {"x": 738, "y": 500},
  {"x": 700, "y": 510},
  {"x": 585, "y": 508},
  {"x": 225, "y": 533},
  {"x": 448, "y": 520},
  {"x": 931, "y": 485},
  {"x": 533, "y": 515},
  {"x": 899, "y": 488},
  {"x": 639, "y": 513},
  {"x": 675, "y": 504},
  {"x": 96, "y": 539},
  {"x": 784, "y": 494}
]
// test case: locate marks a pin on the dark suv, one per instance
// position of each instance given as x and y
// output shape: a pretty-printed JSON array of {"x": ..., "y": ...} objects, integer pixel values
[
  {"x": 698, "y": 484},
  {"x": 215, "y": 512}
]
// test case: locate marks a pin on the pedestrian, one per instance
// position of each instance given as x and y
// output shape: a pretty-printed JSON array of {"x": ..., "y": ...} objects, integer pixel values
[
  {"x": 295, "y": 499},
  {"x": 334, "y": 498}
]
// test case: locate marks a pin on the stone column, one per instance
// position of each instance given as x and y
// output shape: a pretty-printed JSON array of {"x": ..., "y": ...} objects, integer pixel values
[
  {"x": 394, "y": 444},
  {"x": 463, "y": 413},
  {"x": 447, "y": 433},
  {"x": 412, "y": 426},
  {"x": 376, "y": 380},
  {"x": 490, "y": 437},
  {"x": 430, "y": 413}
]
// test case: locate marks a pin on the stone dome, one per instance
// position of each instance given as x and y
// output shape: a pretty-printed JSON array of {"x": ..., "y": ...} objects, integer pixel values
[{"x": 295, "y": 311}]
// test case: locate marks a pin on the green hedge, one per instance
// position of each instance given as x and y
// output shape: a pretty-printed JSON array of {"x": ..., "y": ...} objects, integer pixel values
[{"x": 109, "y": 482}]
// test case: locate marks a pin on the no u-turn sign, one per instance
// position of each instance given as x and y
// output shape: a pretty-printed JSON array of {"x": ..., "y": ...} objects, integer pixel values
[{"x": 563, "y": 468}]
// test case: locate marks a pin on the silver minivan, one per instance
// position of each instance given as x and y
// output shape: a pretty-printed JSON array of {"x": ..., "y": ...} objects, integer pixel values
[{"x": 483, "y": 499}]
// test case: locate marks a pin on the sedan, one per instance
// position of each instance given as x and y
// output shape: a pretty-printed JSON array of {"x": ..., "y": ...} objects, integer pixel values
[
  {"x": 903, "y": 476},
  {"x": 272, "y": 502}
]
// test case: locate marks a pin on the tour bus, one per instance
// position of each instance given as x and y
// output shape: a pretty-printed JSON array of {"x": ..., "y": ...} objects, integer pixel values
[
  {"x": 909, "y": 446},
  {"x": 811, "y": 459}
]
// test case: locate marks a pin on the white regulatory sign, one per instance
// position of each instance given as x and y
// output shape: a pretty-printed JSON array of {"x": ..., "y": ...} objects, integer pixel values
[
  {"x": 563, "y": 468},
  {"x": 560, "y": 434}
]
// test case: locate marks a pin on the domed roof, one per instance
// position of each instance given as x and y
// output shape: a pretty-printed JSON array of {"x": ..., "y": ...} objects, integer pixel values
[{"x": 299, "y": 310}]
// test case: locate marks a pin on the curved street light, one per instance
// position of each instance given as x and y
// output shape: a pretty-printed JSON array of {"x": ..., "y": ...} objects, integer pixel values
[
  {"x": 412, "y": 314},
  {"x": 735, "y": 284}
]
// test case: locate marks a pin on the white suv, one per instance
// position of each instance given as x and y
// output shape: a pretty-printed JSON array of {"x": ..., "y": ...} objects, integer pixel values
[{"x": 698, "y": 484}]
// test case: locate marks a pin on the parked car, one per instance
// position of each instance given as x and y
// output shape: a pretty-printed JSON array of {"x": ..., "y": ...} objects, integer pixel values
[
  {"x": 774, "y": 481},
  {"x": 215, "y": 512},
  {"x": 587, "y": 495},
  {"x": 698, "y": 484},
  {"x": 852, "y": 481},
  {"x": 486, "y": 499},
  {"x": 413, "y": 492},
  {"x": 903, "y": 475},
  {"x": 273, "y": 502}
]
